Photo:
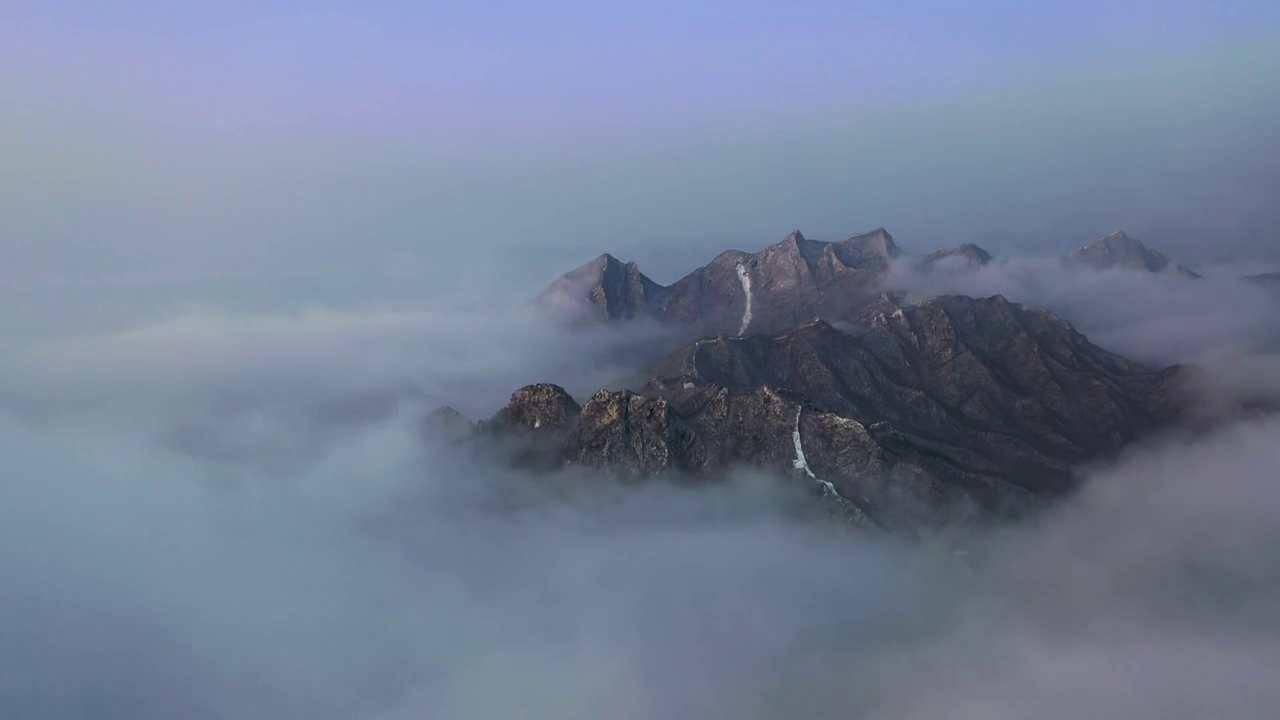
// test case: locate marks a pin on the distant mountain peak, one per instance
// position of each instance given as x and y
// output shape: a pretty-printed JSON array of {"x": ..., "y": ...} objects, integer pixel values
[
  {"x": 968, "y": 256},
  {"x": 762, "y": 292},
  {"x": 877, "y": 241},
  {"x": 603, "y": 289},
  {"x": 1117, "y": 250}
]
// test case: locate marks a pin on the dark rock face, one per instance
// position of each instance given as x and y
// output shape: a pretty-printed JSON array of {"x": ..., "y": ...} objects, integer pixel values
[
  {"x": 1118, "y": 250},
  {"x": 737, "y": 292},
  {"x": 951, "y": 410}
]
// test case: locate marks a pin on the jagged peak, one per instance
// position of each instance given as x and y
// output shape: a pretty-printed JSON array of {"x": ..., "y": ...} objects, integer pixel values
[
  {"x": 1114, "y": 240},
  {"x": 593, "y": 269},
  {"x": 604, "y": 394},
  {"x": 795, "y": 236},
  {"x": 977, "y": 253},
  {"x": 1117, "y": 241},
  {"x": 731, "y": 256},
  {"x": 541, "y": 389},
  {"x": 1118, "y": 249},
  {"x": 610, "y": 263},
  {"x": 541, "y": 404},
  {"x": 445, "y": 411},
  {"x": 877, "y": 241},
  {"x": 974, "y": 254}
]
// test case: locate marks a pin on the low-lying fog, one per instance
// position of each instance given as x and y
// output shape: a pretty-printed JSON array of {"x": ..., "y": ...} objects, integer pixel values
[{"x": 223, "y": 514}]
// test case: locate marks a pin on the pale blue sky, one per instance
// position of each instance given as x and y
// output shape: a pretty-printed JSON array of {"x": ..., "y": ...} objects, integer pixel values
[
  {"x": 493, "y": 70},
  {"x": 355, "y": 147}
]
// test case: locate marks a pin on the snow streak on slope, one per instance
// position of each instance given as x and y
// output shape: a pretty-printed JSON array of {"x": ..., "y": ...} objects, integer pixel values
[
  {"x": 745, "y": 279},
  {"x": 801, "y": 463}
]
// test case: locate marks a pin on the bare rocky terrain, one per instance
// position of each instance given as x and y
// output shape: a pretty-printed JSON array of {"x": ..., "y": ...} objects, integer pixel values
[{"x": 808, "y": 362}]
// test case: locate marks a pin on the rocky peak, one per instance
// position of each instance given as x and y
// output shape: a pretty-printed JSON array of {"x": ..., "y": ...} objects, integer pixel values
[
  {"x": 737, "y": 292},
  {"x": 870, "y": 249},
  {"x": 541, "y": 406},
  {"x": 448, "y": 424},
  {"x": 967, "y": 256},
  {"x": 604, "y": 289},
  {"x": 1117, "y": 250}
]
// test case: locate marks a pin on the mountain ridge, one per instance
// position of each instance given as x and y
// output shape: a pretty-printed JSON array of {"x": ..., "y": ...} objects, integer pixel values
[
  {"x": 793, "y": 280},
  {"x": 951, "y": 410}
]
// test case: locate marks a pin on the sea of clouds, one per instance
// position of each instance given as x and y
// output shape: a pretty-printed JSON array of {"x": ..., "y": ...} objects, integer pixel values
[{"x": 225, "y": 514}]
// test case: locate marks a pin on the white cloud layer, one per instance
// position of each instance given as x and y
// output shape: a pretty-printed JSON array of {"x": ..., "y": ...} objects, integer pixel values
[{"x": 226, "y": 515}]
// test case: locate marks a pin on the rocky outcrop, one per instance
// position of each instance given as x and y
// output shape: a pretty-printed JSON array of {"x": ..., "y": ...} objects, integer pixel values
[
  {"x": 634, "y": 435},
  {"x": 541, "y": 407},
  {"x": 531, "y": 430},
  {"x": 1118, "y": 250}
]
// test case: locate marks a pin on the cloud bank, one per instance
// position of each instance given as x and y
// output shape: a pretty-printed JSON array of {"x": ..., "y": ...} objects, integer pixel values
[{"x": 230, "y": 515}]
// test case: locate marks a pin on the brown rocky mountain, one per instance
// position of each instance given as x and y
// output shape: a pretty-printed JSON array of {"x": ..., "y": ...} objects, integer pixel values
[
  {"x": 950, "y": 410},
  {"x": 1118, "y": 250}
]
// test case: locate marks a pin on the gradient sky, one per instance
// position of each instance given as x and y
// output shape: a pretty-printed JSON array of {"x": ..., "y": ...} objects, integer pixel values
[{"x": 327, "y": 152}]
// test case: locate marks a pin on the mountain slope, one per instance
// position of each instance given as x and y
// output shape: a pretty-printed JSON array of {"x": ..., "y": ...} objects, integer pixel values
[{"x": 949, "y": 410}]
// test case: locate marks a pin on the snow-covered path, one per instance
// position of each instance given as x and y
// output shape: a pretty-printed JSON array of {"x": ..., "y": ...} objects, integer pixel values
[{"x": 745, "y": 279}]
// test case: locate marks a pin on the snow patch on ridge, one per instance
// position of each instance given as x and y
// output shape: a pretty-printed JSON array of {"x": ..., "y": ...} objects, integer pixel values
[{"x": 745, "y": 279}]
